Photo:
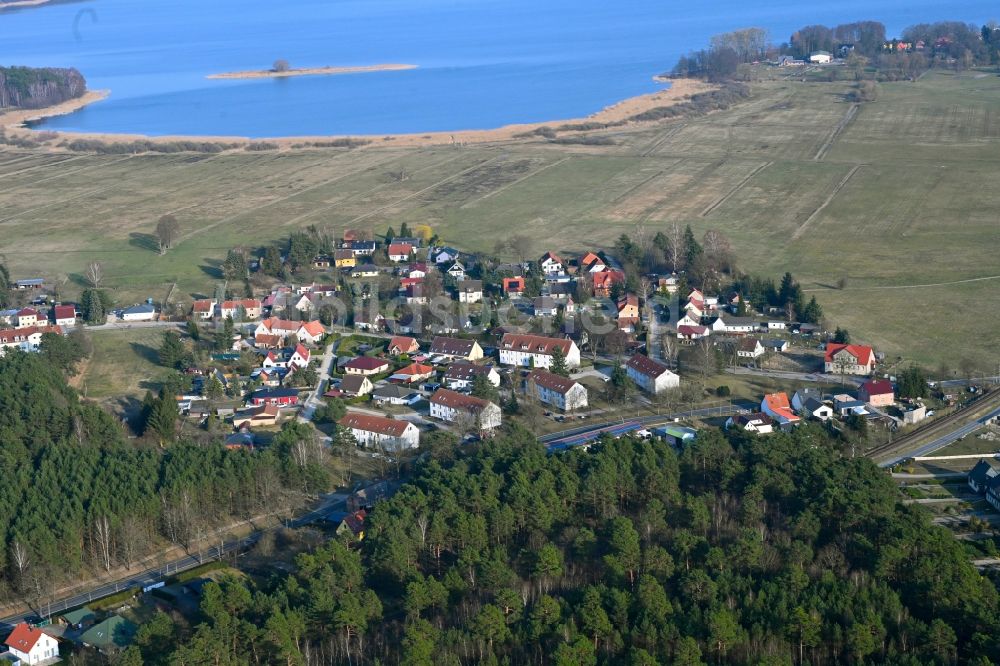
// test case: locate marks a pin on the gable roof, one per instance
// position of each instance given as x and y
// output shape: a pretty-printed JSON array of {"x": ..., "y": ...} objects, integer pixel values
[
  {"x": 863, "y": 353},
  {"x": 778, "y": 403},
  {"x": 606, "y": 278},
  {"x": 353, "y": 383},
  {"x": 646, "y": 366},
  {"x": 245, "y": 303},
  {"x": 452, "y": 346},
  {"x": 466, "y": 371},
  {"x": 550, "y": 256},
  {"x": 470, "y": 286},
  {"x": 393, "y": 391},
  {"x": 65, "y": 311},
  {"x": 685, "y": 329},
  {"x": 415, "y": 369},
  {"x": 14, "y": 335},
  {"x": 982, "y": 472},
  {"x": 23, "y": 638},
  {"x": 366, "y": 363},
  {"x": 403, "y": 343},
  {"x": 551, "y": 381},
  {"x": 590, "y": 259},
  {"x": 535, "y": 344},
  {"x": 749, "y": 344},
  {"x": 456, "y": 400},
  {"x": 372, "y": 423},
  {"x": 114, "y": 631},
  {"x": 400, "y": 248},
  {"x": 313, "y": 328},
  {"x": 878, "y": 387}
]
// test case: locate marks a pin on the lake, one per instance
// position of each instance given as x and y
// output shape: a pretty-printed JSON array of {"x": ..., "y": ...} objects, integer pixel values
[{"x": 482, "y": 63}]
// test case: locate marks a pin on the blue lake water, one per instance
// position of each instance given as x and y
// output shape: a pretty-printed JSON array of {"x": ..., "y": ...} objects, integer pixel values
[{"x": 482, "y": 63}]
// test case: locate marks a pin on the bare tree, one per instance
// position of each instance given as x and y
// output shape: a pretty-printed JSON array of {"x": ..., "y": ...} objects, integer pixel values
[
  {"x": 706, "y": 357},
  {"x": 668, "y": 345},
  {"x": 94, "y": 274},
  {"x": 718, "y": 249},
  {"x": 21, "y": 559},
  {"x": 133, "y": 539},
  {"x": 280, "y": 65},
  {"x": 103, "y": 541},
  {"x": 675, "y": 245},
  {"x": 521, "y": 245},
  {"x": 167, "y": 229}
]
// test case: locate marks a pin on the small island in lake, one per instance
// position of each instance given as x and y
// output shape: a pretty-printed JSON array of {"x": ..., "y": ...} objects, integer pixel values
[{"x": 279, "y": 72}]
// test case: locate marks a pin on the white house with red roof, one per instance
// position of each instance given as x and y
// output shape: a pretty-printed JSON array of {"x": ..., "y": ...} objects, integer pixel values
[
  {"x": 203, "y": 308},
  {"x": 382, "y": 433},
  {"x": 247, "y": 308},
  {"x": 552, "y": 264},
  {"x": 692, "y": 332},
  {"x": 844, "y": 359},
  {"x": 778, "y": 407},
  {"x": 25, "y": 339},
  {"x": 401, "y": 344},
  {"x": 29, "y": 645},
  {"x": 400, "y": 252},
  {"x": 27, "y": 317},
  {"x": 300, "y": 357},
  {"x": 452, "y": 406},
  {"x": 64, "y": 315}
]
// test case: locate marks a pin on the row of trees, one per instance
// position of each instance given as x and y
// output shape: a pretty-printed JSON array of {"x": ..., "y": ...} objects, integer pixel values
[{"x": 737, "y": 551}]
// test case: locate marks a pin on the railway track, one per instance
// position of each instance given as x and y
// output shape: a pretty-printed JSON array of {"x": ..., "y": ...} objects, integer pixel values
[{"x": 940, "y": 427}]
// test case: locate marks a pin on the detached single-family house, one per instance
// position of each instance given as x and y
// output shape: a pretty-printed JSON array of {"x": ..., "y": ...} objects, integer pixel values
[
  {"x": 452, "y": 406},
  {"x": 144, "y": 312},
  {"x": 29, "y": 645},
  {"x": 381, "y": 433},
  {"x": 551, "y": 264},
  {"x": 367, "y": 318},
  {"x": 249, "y": 309},
  {"x": 470, "y": 291},
  {"x": 395, "y": 394},
  {"x": 366, "y": 366},
  {"x": 545, "y": 306},
  {"x": 878, "y": 393},
  {"x": 412, "y": 374},
  {"x": 362, "y": 248},
  {"x": 284, "y": 397},
  {"x": 300, "y": 357},
  {"x": 730, "y": 324},
  {"x": 113, "y": 634},
  {"x": 456, "y": 270},
  {"x": 628, "y": 312},
  {"x": 757, "y": 423},
  {"x": 981, "y": 476},
  {"x": 400, "y": 252},
  {"x": 591, "y": 263},
  {"x": 778, "y": 407},
  {"x": 64, "y": 315},
  {"x": 749, "y": 348},
  {"x": 203, "y": 308},
  {"x": 401, "y": 344},
  {"x": 261, "y": 415},
  {"x": 444, "y": 255},
  {"x": 649, "y": 375},
  {"x": 513, "y": 287},
  {"x": 844, "y": 359},
  {"x": 455, "y": 348},
  {"x": 460, "y": 375},
  {"x": 816, "y": 409},
  {"x": 604, "y": 280},
  {"x": 776, "y": 345},
  {"x": 560, "y": 392},
  {"x": 691, "y": 332},
  {"x": 344, "y": 259},
  {"x": 354, "y": 386},
  {"x": 848, "y": 405},
  {"x": 535, "y": 351}
]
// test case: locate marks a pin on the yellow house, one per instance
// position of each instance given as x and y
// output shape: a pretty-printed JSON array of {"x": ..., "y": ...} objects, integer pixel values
[{"x": 344, "y": 259}]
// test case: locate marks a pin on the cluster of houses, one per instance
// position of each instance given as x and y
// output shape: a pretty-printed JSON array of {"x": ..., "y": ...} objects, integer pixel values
[
  {"x": 37, "y": 645},
  {"x": 711, "y": 315},
  {"x": 870, "y": 400},
  {"x": 24, "y": 327}
]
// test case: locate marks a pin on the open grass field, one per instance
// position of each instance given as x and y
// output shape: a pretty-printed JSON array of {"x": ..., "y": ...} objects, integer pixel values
[
  {"x": 123, "y": 364},
  {"x": 901, "y": 201}
]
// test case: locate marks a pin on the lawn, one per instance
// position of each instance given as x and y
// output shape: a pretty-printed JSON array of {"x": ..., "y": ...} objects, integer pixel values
[
  {"x": 902, "y": 203},
  {"x": 123, "y": 365}
]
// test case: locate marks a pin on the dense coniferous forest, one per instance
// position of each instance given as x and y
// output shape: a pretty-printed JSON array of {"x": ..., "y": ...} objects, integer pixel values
[
  {"x": 777, "y": 550},
  {"x": 77, "y": 496}
]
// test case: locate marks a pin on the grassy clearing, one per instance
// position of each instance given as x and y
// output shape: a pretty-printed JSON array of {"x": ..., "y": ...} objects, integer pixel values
[
  {"x": 123, "y": 364},
  {"x": 921, "y": 208}
]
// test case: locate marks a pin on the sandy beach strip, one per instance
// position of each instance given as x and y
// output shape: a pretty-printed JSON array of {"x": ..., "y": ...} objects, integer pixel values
[
  {"x": 22, "y": 3},
  {"x": 310, "y": 71},
  {"x": 17, "y": 118},
  {"x": 679, "y": 91}
]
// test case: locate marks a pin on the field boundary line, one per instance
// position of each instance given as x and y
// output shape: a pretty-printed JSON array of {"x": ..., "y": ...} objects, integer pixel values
[
  {"x": 663, "y": 138},
  {"x": 84, "y": 168},
  {"x": 912, "y": 286},
  {"x": 430, "y": 187},
  {"x": 739, "y": 186},
  {"x": 352, "y": 197},
  {"x": 519, "y": 180},
  {"x": 40, "y": 166},
  {"x": 843, "y": 181},
  {"x": 837, "y": 130},
  {"x": 237, "y": 216}
]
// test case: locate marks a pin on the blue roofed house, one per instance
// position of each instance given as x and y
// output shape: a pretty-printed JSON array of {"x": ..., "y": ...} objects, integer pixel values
[{"x": 981, "y": 476}]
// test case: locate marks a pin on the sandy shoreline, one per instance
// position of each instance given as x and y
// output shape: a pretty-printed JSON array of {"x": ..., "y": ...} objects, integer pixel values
[
  {"x": 22, "y": 3},
  {"x": 310, "y": 71},
  {"x": 680, "y": 89}
]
